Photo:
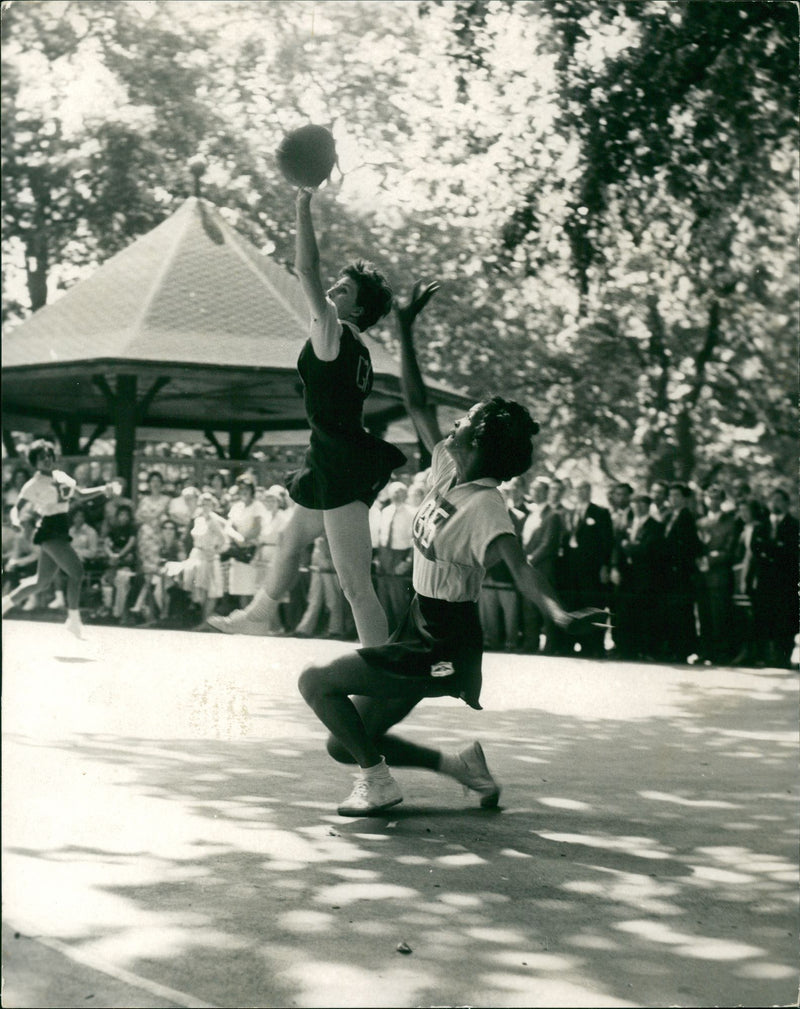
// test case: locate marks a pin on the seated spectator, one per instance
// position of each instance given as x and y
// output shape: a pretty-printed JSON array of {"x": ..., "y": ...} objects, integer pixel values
[
  {"x": 120, "y": 551},
  {"x": 162, "y": 597},
  {"x": 19, "y": 477},
  {"x": 110, "y": 505}
]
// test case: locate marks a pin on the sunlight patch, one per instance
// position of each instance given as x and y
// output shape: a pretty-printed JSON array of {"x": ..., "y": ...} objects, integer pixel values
[
  {"x": 765, "y": 971},
  {"x": 506, "y": 935},
  {"x": 697, "y": 947},
  {"x": 558, "y": 803},
  {"x": 346, "y": 873},
  {"x": 348, "y": 893},
  {"x": 642, "y": 846},
  {"x": 680, "y": 801},
  {"x": 306, "y": 921},
  {"x": 468, "y": 858},
  {"x": 461, "y": 900},
  {"x": 714, "y": 875}
]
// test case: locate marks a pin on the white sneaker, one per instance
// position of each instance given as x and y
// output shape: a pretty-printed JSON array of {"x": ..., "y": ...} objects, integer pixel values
[
  {"x": 75, "y": 627},
  {"x": 29, "y": 605},
  {"x": 219, "y": 623},
  {"x": 370, "y": 797},
  {"x": 58, "y": 603},
  {"x": 472, "y": 772}
]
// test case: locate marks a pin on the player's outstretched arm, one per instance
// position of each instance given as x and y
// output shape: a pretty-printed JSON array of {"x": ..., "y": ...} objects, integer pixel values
[
  {"x": 414, "y": 392},
  {"x": 306, "y": 254},
  {"x": 535, "y": 587}
]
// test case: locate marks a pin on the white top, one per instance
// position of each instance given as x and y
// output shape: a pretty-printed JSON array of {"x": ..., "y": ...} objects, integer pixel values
[
  {"x": 452, "y": 529},
  {"x": 49, "y": 495},
  {"x": 395, "y": 526},
  {"x": 244, "y": 517}
]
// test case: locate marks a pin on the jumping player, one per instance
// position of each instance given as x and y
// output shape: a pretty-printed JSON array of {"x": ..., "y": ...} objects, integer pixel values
[
  {"x": 461, "y": 528},
  {"x": 345, "y": 466},
  {"x": 49, "y": 492}
]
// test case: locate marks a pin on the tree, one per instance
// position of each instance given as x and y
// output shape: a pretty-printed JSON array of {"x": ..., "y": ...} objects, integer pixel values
[{"x": 676, "y": 205}]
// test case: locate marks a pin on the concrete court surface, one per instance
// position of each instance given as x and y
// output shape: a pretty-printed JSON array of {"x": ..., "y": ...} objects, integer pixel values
[{"x": 170, "y": 835}]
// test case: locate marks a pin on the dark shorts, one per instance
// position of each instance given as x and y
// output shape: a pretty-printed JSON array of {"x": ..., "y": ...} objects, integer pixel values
[
  {"x": 438, "y": 643},
  {"x": 52, "y": 527}
]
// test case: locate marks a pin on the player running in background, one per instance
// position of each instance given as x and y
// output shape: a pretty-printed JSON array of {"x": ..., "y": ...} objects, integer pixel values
[{"x": 49, "y": 492}]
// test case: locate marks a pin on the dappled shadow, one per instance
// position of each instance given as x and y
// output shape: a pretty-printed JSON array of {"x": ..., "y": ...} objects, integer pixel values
[{"x": 649, "y": 861}]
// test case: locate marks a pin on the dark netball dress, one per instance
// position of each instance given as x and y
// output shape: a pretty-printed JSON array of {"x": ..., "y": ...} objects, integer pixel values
[{"x": 344, "y": 463}]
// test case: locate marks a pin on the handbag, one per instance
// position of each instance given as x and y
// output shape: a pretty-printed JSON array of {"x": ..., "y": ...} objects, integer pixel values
[{"x": 242, "y": 552}]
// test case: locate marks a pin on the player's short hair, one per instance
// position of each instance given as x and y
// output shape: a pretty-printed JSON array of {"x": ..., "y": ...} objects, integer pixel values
[
  {"x": 503, "y": 431},
  {"x": 38, "y": 448},
  {"x": 375, "y": 294}
]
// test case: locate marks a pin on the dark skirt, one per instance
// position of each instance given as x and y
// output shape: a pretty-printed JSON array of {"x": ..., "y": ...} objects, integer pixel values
[
  {"x": 439, "y": 643},
  {"x": 339, "y": 470},
  {"x": 52, "y": 527}
]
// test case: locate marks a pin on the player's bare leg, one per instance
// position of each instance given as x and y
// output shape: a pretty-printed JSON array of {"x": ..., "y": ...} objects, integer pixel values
[
  {"x": 350, "y": 542},
  {"x": 262, "y": 616}
]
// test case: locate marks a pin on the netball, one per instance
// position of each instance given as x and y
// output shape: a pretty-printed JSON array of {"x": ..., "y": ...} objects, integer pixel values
[{"x": 306, "y": 156}]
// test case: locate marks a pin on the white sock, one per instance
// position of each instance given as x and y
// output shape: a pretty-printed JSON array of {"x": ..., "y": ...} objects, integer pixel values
[
  {"x": 73, "y": 616},
  {"x": 448, "y": 764},
  {"x": 380, "y": 770}
]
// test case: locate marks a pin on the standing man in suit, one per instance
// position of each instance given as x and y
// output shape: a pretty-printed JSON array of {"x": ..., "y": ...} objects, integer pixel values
[
  {"x": 588, "y": 563},
  {"x": 639, "y": 575},
  {"x": 718, "y": 534},
  {"x": 681, "y": 549},
  {"x": 619, "y": 499},
  {"x": 532, "y": 619},
  {"x": 775, "y": 605},
  {"x": 545, "y": 553}
]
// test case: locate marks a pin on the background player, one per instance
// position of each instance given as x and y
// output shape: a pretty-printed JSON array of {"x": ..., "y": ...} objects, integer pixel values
[{"x": 49, "y": 493}]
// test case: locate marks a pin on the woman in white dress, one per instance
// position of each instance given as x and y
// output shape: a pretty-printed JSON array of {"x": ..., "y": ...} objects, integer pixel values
[{"x": 247, "y": 516}]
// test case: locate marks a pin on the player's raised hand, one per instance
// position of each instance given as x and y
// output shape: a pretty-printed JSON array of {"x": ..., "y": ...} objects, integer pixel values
[{"x": 420, "y": 296}]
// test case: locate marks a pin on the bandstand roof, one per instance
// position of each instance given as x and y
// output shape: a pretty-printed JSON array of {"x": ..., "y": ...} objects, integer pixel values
[{"x": 210, "y": 327}]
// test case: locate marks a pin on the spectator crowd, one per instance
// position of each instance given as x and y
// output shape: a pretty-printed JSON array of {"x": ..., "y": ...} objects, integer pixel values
[{"x": 706, "y": 576}]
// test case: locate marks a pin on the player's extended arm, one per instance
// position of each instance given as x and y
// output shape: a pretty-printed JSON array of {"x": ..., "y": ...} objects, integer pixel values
[
  {"x": 414, "y": 392},
  {"x": 109, "y": 489},
  {"x": 534, "y": 586},
  {"x": 306, "y": 255}
]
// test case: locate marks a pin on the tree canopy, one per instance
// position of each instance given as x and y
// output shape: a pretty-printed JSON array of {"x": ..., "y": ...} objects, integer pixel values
[{"x": 607, "y": 193}]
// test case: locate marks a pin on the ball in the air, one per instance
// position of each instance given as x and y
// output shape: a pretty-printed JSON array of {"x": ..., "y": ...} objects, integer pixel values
[{"x": 306, "y": 156}]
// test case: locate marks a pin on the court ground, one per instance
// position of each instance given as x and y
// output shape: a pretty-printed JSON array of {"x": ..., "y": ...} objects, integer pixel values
[{"x": 170, "y": 835}]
